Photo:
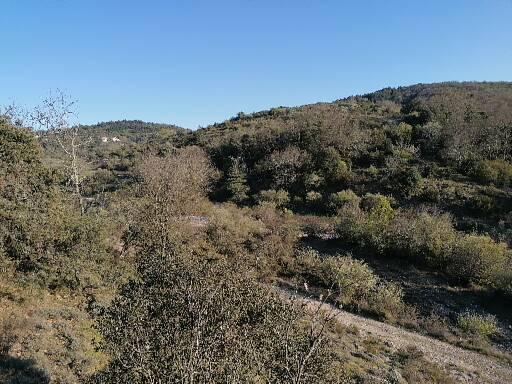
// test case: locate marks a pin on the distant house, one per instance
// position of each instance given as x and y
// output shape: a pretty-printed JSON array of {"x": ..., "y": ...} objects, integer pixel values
[
  {"x": 115, "y": 139},
  {"x": 104, "y": 139}
]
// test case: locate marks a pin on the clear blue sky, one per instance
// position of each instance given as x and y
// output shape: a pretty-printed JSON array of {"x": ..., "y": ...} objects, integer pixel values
[{"x": 197, "y": 62}]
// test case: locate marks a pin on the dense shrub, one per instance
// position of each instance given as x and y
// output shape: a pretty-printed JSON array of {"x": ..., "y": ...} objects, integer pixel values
[
  {"x": 351, "y": 279},
  {"x": 280, "y": 198},
  {"x": 430, "y": 138},
  {"x": 236, "y": 181},
  {"x": 42, "y": 231},
  {"x": 406, "y": 181},
  {"x": 333, "y": 167},
  {"x": 478, "y": 258},
  {"x": 285, "y": 167},
  {"x": 366, "y": 224},
  {"x": 194, "y": 319},
  {"x": 401, "y": 133},
  {"x": 482, "y": 204},
  {"x": 428, "y": 239},
  {"x": 422, "y": 236},
  {"x": 378, "y": 207},
  {"x": 314, "y": 199},
  {"x": 262, "y": 237},
  {"x": 497, "y": 172},
  {"x": 339, "y": 199},
  {"x": 282, "y": 233},
  {"x": 101, "y": 181},
  {"x": 234, "y": 231},
  {"x": 478, "y": 324}
]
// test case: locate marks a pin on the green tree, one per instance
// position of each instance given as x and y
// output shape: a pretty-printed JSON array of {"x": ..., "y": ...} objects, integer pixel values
[
  {"x": 334, "y": 168},
  {"x": 236, "y": 183}
]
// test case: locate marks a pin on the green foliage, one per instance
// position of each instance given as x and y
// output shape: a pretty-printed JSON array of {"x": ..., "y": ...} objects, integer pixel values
[
  {"x": 279, "y": 198},
  {"x": 196, "y": 319},
  {"x": 384, "y": 142},
  {"x": 422, "y": 236},
  {"x": 497, "y": 172},
  {"x": 147, "y": 195},
  {"x": 42, "y": 231},
  {"x": 407, "y": 181},
  {"x": 236, "y": 183},
  {"x": 478, "y": 324},
  {"x": 378, "y": 207},
  {"x": 314, "y": 198},
  {"x": 101, "y": 181},
  {"x": 479, "y": 258},
  {"x": 334, "y": 168},
  {"x": 234, "y": 232},
  {"x": 262, "y": 237},
  {"x": 18, "y": 146},
  {"x": 430, "y": 138},
  {"x": 22, "y": 175},
  {"x": 402, "y": 133},
  {"x": 313, "y": 181},
  {"x": 378, "y": 214},
  {"x": 285, "y": 168},
  {"x": 354, "y": 284},
  {"x": 429, "y": 239},
  {"x": 342, "y": 198}
]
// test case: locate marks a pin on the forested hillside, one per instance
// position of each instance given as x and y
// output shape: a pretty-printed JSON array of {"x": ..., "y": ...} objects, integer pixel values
[{"x": 143, "y": 252}]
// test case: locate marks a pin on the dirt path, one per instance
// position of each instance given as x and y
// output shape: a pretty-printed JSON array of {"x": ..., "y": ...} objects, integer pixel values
[{"x": 456, "y": 360}]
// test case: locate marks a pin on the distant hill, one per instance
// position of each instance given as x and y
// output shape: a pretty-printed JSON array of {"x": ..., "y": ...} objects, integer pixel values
[
  {"x": 446, "y": 144},
  {"x": 136, "y": 131},
  {"x": 493, "y": 99},
  {"x": 438, "y": 100}
]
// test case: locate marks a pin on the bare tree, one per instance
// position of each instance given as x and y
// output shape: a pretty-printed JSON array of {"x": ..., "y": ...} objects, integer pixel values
[
  {"x": 16, "y": 114},
  {"x": 173, "y": 187},
  {"x": 57, "y": 116}
]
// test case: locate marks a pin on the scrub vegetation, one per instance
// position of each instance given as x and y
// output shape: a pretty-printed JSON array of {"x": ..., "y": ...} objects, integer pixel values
[{"x": 148, "y": 253}]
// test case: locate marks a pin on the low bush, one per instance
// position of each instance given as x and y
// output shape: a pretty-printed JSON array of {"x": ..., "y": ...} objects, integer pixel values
[
  {"x": 353, "y": 283},
  {"x": 280, "y": 197},
  {"x": 367, "y": 223},
  {"x": 233, "y": 230},
  {"x": 387, "y": 301},
  {"x": 314, "y": 200},
  {"x": 478, "y": 258},
  {"x": 317, "y": 226},
  {"x": 497, "y": 172},
  {"x": 263, "y": 237},
  {"x": 422, "y": 236},
  {"x": 401, "y": 133},
  {"x": 427, "y": 238},
  {"x": 406, "y": 181},
  {"x": 338, "y": 200},
  {"x": 482, "y": 203},
  {"x": 478, "y": 324}
]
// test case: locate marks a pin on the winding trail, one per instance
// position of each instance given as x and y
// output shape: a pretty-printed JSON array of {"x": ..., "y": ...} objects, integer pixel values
[{"x": 466, "y": 366}]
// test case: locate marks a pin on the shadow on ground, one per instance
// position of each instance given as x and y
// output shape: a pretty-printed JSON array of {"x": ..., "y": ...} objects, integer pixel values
[
  {"x": 428, "y": 291},
  {"x": 21, "y": 371}
]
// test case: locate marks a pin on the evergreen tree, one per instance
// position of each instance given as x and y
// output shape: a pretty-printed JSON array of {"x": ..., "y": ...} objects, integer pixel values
[{"x": 237, "y": 181}]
